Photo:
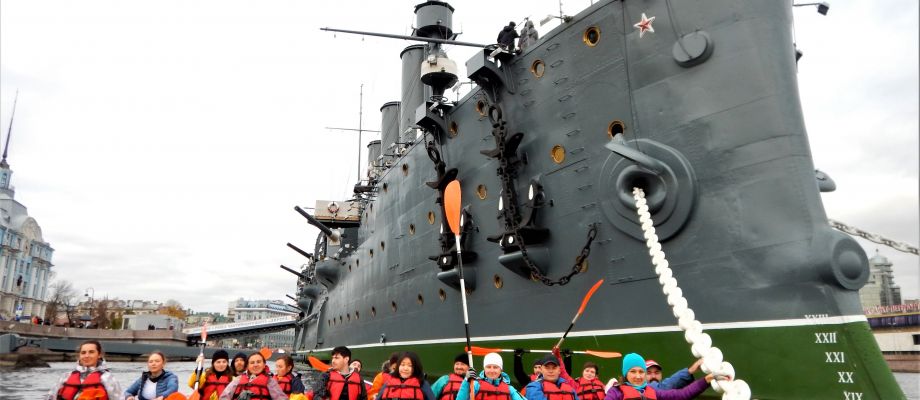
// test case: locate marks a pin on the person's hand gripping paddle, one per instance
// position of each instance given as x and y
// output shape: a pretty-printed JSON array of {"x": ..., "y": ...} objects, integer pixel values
[
  {"x": 200, "y": 367},
  {"x": 453, "y": 209}
]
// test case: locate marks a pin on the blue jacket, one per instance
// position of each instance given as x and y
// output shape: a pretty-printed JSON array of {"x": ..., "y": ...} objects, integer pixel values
[
  {"x": 166, "y": 385},
  {"x": 678, "y": 380},
  {"x": 464, "y": 393},
  {"x": 534, "y": 390}
]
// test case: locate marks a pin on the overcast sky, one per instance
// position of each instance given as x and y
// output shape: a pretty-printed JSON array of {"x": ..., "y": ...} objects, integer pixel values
[{"x": 162, "y": 145}]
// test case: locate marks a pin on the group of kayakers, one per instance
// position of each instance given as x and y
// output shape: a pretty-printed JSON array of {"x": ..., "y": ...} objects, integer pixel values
[{"x": 401, "y": 378}]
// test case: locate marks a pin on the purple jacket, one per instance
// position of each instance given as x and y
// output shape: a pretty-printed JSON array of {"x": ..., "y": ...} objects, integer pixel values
[{"x": 686, "y": 393}]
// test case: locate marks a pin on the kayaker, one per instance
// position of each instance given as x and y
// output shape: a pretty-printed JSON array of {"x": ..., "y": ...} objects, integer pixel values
[
  {"x": 288, "y": 380},
  {"x": 155, "y": 383},
  {"x": 519, "y": 374},
  {"x": 385, "y": 371},
  {"x": 255, "y": 383},
  {"x": 238, "y": 365},
  {"x": 90, "y": 374},
  {"x": 551, "y": 385},
  {"x": 588, "y": 386},
  {"x": 678, "y": 380},
  {"x": 447, "y": 386},
  {"x": 407, "y": 382},
  {"x": 340, "y": 382},
  {"x": 215, "y": 378},
  {"x": 490, "y": 384},
  {"x": 635, "y": 386}
]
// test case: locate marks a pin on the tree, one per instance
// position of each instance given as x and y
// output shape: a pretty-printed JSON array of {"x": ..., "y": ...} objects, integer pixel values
[
  {"x": 101, "y": 319},
  {"x": 63, "y": 297},
  {"x": 173, "y": 308}
]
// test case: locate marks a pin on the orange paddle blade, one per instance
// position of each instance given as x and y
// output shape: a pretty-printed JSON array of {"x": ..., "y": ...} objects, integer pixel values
[
  {"x": 481, "y": 351},
  {"x": 176, "y": 396},
  {"x": 603, "y": 354},
  {"x": 317, "y": 364},
  {"x": 584, "y": 303},
  {"x": 194, "y": 396},
  {"x": 452, "y": 205},
  {"x": 204, "y": 333},
  {"x": 265, "y": 352},
  {"x": 93, "y": 394}
]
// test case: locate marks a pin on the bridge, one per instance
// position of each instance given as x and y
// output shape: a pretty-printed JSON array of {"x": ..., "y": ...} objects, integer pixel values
[{"x": 242, "y": 328}]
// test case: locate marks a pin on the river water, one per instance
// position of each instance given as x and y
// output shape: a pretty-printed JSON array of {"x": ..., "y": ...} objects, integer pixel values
[{"x": 34, "y": 383}]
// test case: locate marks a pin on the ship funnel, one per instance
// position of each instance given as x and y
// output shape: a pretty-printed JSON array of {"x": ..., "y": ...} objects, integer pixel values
[
  {"x": 373, "y": 167},
  {"x": 413, "y": 91},
  {"x": 434, "y": 19},
  {"x": 389, "y": 125}
]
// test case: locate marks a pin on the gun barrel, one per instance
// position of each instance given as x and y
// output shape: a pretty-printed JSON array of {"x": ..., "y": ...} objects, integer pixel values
[
  {"x": 404, "y": 37},
  {"x": 314, "y": 222},
  {"x": 297, "y": 249},
  {"x": 293, "y": 272}
]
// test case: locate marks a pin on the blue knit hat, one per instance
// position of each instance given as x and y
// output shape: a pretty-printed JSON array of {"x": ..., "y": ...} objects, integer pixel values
[{"x": 631, "y": 361}]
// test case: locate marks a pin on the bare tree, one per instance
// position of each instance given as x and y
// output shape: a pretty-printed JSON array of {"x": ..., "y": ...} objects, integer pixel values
[
  {"x": 62, "y": 298},
  {"x": 173, "y": 308},
  {"x": 101, "y": 319}
]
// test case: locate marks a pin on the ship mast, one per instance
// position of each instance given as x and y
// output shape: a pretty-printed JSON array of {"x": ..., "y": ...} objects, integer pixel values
[{"x": 360, "y": 129}]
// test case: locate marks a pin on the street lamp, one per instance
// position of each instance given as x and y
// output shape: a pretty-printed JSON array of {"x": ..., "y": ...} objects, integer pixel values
[
  {"x": 91, "y": 297},
  {"x": 823, "y": 6}
]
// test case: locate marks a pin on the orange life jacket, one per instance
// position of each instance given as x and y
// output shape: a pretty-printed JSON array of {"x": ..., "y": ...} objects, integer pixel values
[
  {"x": 590, "y": 389},
  {"x": 72, "y": 386},
  {"x": 451, "y": 388},
  {"x": 554, "y": 391},
  {"x": 630, "y": 392},
  {"x": 213, "y": 384},
  {"x": 488, "y": 391},
  {"x": 396, "y": 388},
  {"x": 337, "y": 382},
  {"x": 258, "y": 386}
]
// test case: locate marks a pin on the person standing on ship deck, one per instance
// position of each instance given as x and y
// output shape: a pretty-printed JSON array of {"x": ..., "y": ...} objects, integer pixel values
[
  {"x": 506, "y": 37},
  {"x": 634, "y": 385},
  {"x": 340, "y": 382},
  {"x": 447, "y": 386},
  {"x": 529, "y": 35},
  {"x": 407, "y": 382}
]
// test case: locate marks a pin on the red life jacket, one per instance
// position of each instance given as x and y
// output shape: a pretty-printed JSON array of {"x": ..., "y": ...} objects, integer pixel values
[
  {"x": 337, "y": 382},
  {"x": 630, "y": 392},
  {"x": 563, "y": 391},
  {"x": 72, "y": 386},
  {"x": 285, "y": 382},
  {"x": 451, "y": 388},
  {"x": 590, "y": 389},
  {"x": 258, "y": 386},
  {"x": 396, "y": 388},
  {"x": 213, "y": 384},
  {"x": 488, "y": 391}
]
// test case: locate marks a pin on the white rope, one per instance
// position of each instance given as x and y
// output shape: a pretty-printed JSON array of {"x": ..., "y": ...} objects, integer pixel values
[{"x": 700, "y": 342}]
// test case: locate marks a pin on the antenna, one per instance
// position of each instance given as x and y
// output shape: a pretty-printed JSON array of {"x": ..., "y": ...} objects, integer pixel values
[
  {"x": 9, "y": 129},
  {"x": 360, "y": 129}
]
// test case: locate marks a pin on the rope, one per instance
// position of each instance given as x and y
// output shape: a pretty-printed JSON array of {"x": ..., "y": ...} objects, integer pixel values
[{"x": 700, "y": 342}]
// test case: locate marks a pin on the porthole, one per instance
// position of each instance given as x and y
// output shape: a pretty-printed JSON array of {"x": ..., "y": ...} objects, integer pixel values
[
  {"x": 393, "y": 305},
  {"x": 373, "y": 311},
  {"x": 592, "y": 36},
  {"x": 405, "y": 169},
  {"x": 481, "y": 192},
  {"x": 481, "y": 107},
  {"x": 537, "y": 68},
  {"x": 497, "y": 281},
  {"x": 420, "y": 299},
  {"x": 382, "y": 245},
  {"x": 411, "y": 229},
  {"x": 616, "y": 127},
  {"x": 431, "y": 218},
  {"x": 453, "y": 129},
  {"x": 442, "y": 294},
  {"x": 558, "y": 154}
]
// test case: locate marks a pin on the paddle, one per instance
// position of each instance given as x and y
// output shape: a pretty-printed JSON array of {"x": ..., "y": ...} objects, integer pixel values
[
  {"x": 481, "y": 351},
  {"x": 200, "y": 368},
  {"x": 452, "y": 209},
  {"x": 317, "y": 364},
  {"x": 584, "y": 303},
  {"x": 179, "y": 396},
  {"x": 266, "y": 353}
]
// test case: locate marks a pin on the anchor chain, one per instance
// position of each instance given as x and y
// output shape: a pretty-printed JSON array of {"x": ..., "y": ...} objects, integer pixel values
[
  {"x": 851, "y": 230},
  {"x": 507, "y": 172},
  {"x": 700, "y": 342}
]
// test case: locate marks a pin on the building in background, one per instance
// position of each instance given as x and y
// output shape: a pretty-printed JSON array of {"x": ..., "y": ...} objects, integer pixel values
[
  {"x": 196, "y": 319},
  {"x": 880, "y": 290},
  {"x": 153, "y": 322},
  {"x": 25, "y": 257},
  {"x": 248, "y": 310}
]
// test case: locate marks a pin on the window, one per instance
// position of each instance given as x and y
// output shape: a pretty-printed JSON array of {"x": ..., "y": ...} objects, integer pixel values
[{"x": 916, "y": 339}]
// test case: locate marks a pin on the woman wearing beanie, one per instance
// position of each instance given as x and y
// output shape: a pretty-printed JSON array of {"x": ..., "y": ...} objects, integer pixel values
[
  {"x": 491, "y": 384},
  {"x": 634, "y": 385},
  {"x": 213, "y": 380}
]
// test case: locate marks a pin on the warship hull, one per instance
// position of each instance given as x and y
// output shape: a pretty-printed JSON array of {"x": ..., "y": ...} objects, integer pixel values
[{"x": 735, "y": 204}]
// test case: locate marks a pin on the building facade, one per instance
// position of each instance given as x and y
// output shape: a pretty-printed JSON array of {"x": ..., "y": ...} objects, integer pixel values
[
  {"x": 25, "y": 257},
  {"x": 248, "y": 310},
  {"x": 880, "y": 290}
]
